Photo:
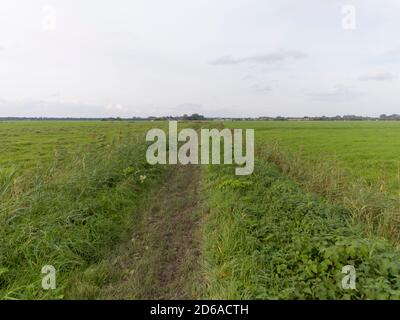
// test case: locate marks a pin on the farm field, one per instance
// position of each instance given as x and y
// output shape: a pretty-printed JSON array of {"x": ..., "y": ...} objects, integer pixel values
[
  {"x": 115, "y": 227},
  {"x": 27, "y": 144},
  {"x": 367, "y": 149},
  {"x": 370, "y": 150}
]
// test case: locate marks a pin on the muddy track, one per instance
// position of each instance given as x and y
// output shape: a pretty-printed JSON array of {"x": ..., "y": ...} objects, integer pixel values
[{"x": 162, "y": 254}]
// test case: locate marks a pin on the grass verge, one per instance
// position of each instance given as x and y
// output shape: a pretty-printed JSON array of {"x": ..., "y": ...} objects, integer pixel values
[
  {"x": 372, "y": 207},
  {"x": 265, "y": 238},
  {"x": 69, "y": 217}
]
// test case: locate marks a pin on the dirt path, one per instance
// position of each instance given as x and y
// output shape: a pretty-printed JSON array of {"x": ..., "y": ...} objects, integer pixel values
[{"x": 158, "y": 261}]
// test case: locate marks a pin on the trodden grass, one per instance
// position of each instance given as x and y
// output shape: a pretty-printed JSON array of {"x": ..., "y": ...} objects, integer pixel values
[{"x": 159, "y": 257}]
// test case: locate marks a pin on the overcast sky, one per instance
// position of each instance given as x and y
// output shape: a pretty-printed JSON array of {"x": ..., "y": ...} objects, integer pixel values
[{"x": 98, "y": 58}]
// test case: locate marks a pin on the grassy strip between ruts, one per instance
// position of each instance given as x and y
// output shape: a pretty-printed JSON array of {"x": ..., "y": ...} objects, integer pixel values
[
  {"x": 69, "y": 217},
  {"x": 265, "y": 238}
]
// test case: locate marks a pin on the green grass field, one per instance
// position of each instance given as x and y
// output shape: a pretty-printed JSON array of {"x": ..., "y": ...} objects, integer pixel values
[
  {"x": 27, "y": 144},
  {"x": 368, "y": 149},
  {"x": 80, "y": 196}
]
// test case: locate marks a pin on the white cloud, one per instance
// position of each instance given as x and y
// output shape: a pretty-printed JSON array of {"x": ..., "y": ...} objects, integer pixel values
[
  {"x": 115, "y": 107},
  {"x": 383, "y": 76},
  {"x": 188, "y": 108},
  {"x": 338, "y": 93},
  {"x": 393, "y": 53},
  {"x": 49, "y": 108},
  {"x": 267, "y": 58},
  {"x": 261, "y": 88}
]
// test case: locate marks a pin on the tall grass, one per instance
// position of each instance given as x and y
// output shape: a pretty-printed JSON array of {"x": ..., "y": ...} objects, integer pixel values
[
  {"x": 376, "y": 210},
  {"x": 266, "y": 238},
  {"x": 70, "y": 215}
]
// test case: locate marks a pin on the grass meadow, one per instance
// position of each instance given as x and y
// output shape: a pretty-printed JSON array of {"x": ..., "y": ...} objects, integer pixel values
[
  {"x": 366, "y": 149},
  {"x": 28, "y": 144}
]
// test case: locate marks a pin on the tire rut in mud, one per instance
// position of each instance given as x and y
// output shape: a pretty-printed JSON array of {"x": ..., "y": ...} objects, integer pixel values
[{"x": 161, "y": 256}]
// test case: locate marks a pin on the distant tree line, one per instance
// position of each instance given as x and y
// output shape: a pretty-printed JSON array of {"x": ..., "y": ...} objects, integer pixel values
[
  {"x": 194, "y": 116},
  {"x": 197, "y": 117},
  {"x": 334, "y": 118}
]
